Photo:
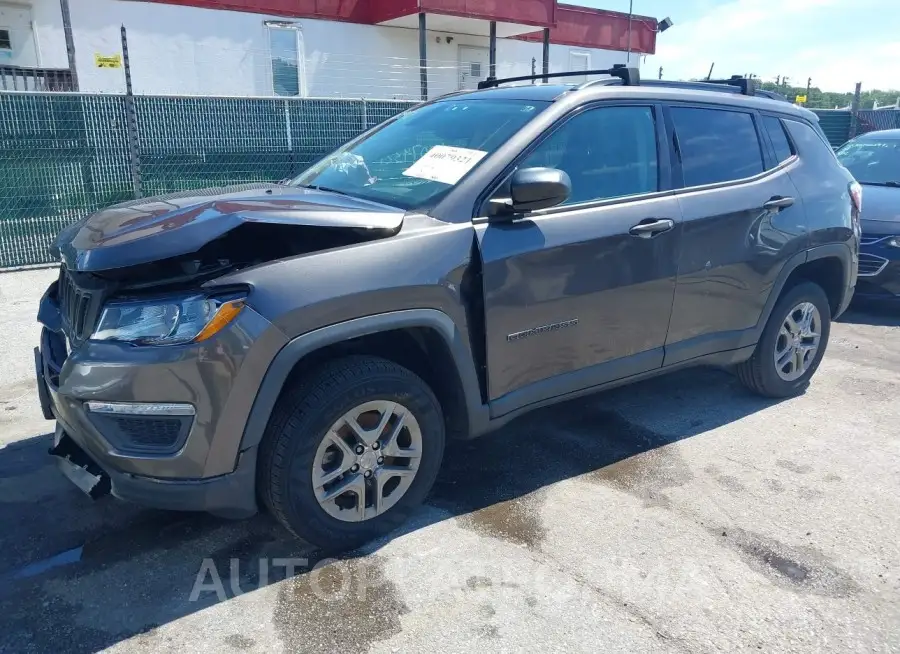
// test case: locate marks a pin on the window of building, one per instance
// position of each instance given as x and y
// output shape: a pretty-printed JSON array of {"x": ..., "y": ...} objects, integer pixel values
[
  {"x": 285, "y": 47},
  {"x": 779, "y": 138},
  {"x": 716, "y": 145},
  {"x": 5, "y": 39},
  {"x": 608, "y": 152}
]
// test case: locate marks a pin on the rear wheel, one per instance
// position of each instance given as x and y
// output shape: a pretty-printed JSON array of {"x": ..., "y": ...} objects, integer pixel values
[
  {"x": 351, "y": 451},
  {"x": 792, "y": 343}
]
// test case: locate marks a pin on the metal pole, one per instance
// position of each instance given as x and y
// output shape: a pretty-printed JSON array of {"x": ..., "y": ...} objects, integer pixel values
[
  {"x": 131, "y": 127},
  {"x": 630, "y": 9},
  {"x": 546, "y": 67},
  {"x": 492, "y": 50},
  {"x": 423, "y": 58},
  {"x": 70, "y": 41},
  {"x": 854, "y": 110}
]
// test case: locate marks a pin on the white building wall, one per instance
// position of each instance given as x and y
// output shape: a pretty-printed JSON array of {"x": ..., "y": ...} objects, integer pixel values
[{"x": 192, "y": 51}]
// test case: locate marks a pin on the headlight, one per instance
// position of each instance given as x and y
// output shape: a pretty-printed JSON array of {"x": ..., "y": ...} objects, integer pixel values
[
  {"x": 166, "y": 321},
  {"x": 893, "y": 242}
]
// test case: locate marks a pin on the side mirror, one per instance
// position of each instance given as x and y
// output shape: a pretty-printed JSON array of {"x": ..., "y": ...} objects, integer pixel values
[{"x": 531, "y": 189}]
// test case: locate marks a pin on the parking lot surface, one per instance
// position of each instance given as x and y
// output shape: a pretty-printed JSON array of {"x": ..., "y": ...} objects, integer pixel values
[{"x": 677, "y": 515}]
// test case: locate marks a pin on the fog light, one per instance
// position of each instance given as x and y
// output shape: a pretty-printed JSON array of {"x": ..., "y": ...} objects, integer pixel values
[
  {"x": 893, "y": 242},
  {"x": 140, "y": 409}
]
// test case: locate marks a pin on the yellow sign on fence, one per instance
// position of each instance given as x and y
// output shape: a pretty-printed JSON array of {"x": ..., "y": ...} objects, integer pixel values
[
  {"x": 108, "y": 61},
  {"x": 800, "y": 99}
]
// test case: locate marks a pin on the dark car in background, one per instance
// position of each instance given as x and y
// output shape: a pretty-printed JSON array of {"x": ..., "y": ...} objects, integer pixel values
[{"x": 874, "y": 160}]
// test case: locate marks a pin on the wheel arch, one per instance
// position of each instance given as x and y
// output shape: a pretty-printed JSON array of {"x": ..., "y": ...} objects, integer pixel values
[
  {"x": 435, "y": 333},
  {"x": 830, "y": 266}
]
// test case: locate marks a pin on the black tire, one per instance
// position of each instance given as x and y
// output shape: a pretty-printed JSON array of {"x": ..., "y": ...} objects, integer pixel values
[
  {"x": 759, "y": 372},
  {"x": 302, "y": 417}
]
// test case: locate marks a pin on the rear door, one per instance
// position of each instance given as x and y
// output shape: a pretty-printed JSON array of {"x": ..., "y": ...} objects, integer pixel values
[
  {"x": 574, "y": 296},
  {"x": 743, "y": 218}
]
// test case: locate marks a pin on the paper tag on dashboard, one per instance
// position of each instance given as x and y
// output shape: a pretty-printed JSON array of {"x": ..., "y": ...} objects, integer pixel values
[{"x": 445, "y": 164}]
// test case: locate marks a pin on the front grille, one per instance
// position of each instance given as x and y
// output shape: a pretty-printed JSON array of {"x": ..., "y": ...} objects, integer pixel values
[
  {"x": 150, "y": 432},
  {"x": 872, "y": 240},
  {"x": 79, "y": 305},
  {"x": 870, "y": 264},
  {"x": 142, "y": 434}
]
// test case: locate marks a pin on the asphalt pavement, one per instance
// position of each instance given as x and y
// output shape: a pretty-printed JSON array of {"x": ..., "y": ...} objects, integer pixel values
[{"x": 681, "y": 514}]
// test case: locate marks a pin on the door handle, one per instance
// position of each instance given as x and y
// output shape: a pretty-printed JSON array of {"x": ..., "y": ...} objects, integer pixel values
[
  {"x": 778, "y": 202},
  {"x": 651, "y": 227}
]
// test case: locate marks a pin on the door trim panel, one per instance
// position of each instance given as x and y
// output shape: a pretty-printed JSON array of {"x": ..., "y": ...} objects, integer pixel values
[{"x": 576, "y": 382}]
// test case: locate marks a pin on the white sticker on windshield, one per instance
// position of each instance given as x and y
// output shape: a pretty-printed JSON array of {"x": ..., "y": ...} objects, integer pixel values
[{"x": 445, "y": 164}]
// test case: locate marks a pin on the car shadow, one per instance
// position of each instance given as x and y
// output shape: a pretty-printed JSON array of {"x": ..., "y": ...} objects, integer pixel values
[
  {"x": 874, "y": 314},
  {"x": 79, "y": 576}
]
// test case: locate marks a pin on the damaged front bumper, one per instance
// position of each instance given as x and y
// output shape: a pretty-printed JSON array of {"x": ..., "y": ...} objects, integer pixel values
[
  {"x": 230, "y": 495},
  {"x": 166, "y": 458}
]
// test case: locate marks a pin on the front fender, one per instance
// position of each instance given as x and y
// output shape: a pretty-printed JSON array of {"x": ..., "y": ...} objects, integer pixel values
[{"x": 284, "y": 362}]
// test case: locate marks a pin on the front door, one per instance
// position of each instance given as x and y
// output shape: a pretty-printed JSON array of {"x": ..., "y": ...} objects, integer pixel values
[
  {"x": 579, "y": 60},
  {"x": 474, "y": 66},
  {"x": 581, "y": 294}
]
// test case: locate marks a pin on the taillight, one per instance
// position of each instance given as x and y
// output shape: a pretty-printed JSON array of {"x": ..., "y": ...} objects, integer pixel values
[
  {"x": 856, "y": 196},
  {"x": 856, "y": 201}
]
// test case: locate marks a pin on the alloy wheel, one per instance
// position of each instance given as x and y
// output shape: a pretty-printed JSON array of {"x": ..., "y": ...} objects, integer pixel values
[
  {"x": 367, "y": 461},
  {"x": 798, "y": 341}
]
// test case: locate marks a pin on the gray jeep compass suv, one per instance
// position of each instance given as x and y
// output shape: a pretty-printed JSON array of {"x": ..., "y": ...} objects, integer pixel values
[{"x": 308, "y": 347}]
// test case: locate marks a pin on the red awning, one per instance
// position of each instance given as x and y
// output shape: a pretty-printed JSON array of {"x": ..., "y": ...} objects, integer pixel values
[
  {"x": 539, "y": 13},
  {"x": 569, "y": 24},
  {"x": 596, "y": 28}
]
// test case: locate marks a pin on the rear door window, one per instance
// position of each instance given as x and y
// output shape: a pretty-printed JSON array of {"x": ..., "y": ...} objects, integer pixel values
[
  {"x": 716, "y": 145},
  {"x": 779, "y": 138}
]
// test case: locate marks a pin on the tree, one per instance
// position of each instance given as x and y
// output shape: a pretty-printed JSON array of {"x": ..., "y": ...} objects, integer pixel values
[{"x": 829, "y": 99}]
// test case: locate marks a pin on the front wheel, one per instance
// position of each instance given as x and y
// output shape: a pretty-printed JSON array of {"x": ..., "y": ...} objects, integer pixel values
[
  {"x": 351, "y": 451},
  {"x": 792, "y": 344}
]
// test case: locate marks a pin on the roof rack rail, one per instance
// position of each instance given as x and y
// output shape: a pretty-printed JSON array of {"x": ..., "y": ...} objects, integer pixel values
[
  {"x": 629, "y": 76},
  {"x": 747, "y": 85}
]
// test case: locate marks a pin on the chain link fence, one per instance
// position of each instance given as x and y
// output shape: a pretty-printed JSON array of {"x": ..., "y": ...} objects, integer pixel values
[{"x": 65, "y": 155}]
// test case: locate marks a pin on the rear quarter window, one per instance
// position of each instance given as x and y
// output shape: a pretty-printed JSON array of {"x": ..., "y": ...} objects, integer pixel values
[
  {"x": 777, "y": 135},
  {"x": 808, "y": 140},
  {"x": 716, "y": 145}
]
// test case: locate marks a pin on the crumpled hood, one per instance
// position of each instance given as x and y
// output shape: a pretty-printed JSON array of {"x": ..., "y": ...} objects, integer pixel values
[
  {"x": 151, "y": 229},
  {"x": 880, "y": 210}
]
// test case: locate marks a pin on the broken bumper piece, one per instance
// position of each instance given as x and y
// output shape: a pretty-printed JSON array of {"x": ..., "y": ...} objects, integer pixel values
[{"x": 75, "y": 464}]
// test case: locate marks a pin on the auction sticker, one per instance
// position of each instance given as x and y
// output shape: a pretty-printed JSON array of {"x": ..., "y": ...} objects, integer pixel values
[{"x": 445, "y": 164}]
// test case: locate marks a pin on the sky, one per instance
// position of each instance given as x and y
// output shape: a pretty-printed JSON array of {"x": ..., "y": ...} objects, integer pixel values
[{"x": 836, "y": 42}]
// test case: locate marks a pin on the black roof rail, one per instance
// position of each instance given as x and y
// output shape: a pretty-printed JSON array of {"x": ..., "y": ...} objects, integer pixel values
[
  {"x": 747, "y": 85},
  {"x": 629, "y": 76},
  {"x": 736, "y": 84}
]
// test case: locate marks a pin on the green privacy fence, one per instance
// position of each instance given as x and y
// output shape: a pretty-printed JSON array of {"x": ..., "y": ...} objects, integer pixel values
[
  {"x": 840, "y": 125},
  {"x": 837, "y": 125},
  {"x": 63, "y": 156}
]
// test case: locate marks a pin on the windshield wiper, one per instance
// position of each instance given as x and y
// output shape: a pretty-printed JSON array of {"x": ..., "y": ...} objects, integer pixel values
[
  {"x": 327, "y": 190},
  {"x": 891, "y": 183}
]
